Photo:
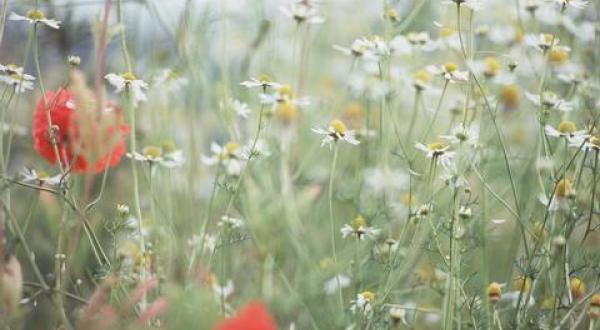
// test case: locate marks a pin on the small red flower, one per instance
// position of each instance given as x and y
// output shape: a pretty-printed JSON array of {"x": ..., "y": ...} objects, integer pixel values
[
  {"x": 253, "y": 316},
  {"x": 100, "y": 144}
]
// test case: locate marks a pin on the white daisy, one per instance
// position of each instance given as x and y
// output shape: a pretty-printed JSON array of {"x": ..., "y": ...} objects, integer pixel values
[
  {"x": 438, "y": 151},
  {"x": 542, "y": 42},
  {"x": 449, "y": 71},
  {"x": 168, "y": 157},
  {"x": 463, "y": 135},
  {"x": 577, "y": 4},
  {"x": 475, "y": 5},
  {"x": 359, "y": 47},
  {"x": 13, "y": 75},
  {"x": 229, "y": 156},
  {"x": 358, "y": 227},
  {"x": 240, "y": 108},
  {"x": 262, "y": 81},
  {"x": 550, "y": 100},
  {"x": 566, "y": 129},
  {"x": 35, "y": 16},
  {"x": 128, "y": 80},
  {"x": 30, "y": 175},
  {"x": 363, "y": 303},
  {"x": 303, "y": 13},
  {"x": 335, "y": 132}
]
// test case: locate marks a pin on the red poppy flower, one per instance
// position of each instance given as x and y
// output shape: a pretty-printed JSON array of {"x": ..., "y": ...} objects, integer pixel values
[
  {"x": 253, "y": 316},
  {"x": 85, "y": 143}
]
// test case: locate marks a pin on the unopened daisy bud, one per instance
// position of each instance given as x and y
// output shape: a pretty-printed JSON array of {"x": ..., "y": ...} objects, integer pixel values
[
  {"x": 559, "y": 241},
  {"x": 491, "y": 67},
  {"x": 494, "y": 292},
  {"x": 123, "y": 210},
  {"x": 577, "y": 288},
  {"x": 464, "y": 213},
  {"x": 512, "y": 66},
  {"x": 397, "y": 315},
  {"x": 74, "y": 61},
  {"x": 521, "y": 284},
  {"x": 390, "y": 14},
  {"x": 482, "y": 30},
  {"x": 595, "y": 306},
  {"x": 563, "y": 189},
  {"x": 531, "y": 6}
]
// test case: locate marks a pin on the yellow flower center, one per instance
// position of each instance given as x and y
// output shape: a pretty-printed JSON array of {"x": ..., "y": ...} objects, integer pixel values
[
  {"x": 595, "y": 140},
  {"x": 595, "y": 300},
  {"x": 547, "y": 38},
  {"x": 368, "y": 296},
  {"x": 558, "y": 56},
  {"x": 12, "y": 69},
  {"x": 358, "y": 222},
  {"x": 509, "y": 95},
  {"x": 337, "y": 127},
  {"x": 263, "y": 78},
  {"x": 491, "y": 66},
  {"x": 35, "y": 14},
  {"x": 407, "y": 199},
  {"x": 286, "y": 90},
  {"x": 446, "y": 32},
  {"x": 168, "y": 146},
  {"x": 231, "y": 147},
  {"x": 450, "y": 67},
  {"x": 152, "y": 151},
  {"x": 567, "y": 127},
  {"x": 286, "y": 111},
  {"x": 436, "y": 146},
  {"x": 421, "y": 76},
  {"x": 563, "y": 188},
  {"x": 129, "y": 76},
  {"x": 354, "y": 111},
  {"x": 42, "y": 175}
]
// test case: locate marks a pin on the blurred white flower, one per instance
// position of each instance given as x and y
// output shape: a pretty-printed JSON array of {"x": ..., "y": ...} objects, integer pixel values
[
  {"x": 167, "y": 157},
  {"x": 229, "y": 156},
  {"x": 475, "y": 5},
  {"x": 262, "y": 81},
  {"x": 549, "y": 100},
  {"x": 437, "y": 151},
  {"x": 358, "y": 48},
  {"x": 35, "y": 16},
  {"x": 13, "y": 75},
  {"x": 359, "y": 228},
  {"x": 129, "y": 81},
  {"x": 240, "y": 108},
  {"x": 449, "y": 71},
  {"x": 566, "y": 129},
  {"x": 303, "y": 13},
  {"x": 30, "y": 175},
  {"x": 463, "y": 135},
  {"x": 577, "y": 4},
  {"x": 230, "y": 222},
  {"x": 363, "y": 303},
  {"x": 334, "y": 284},
  {"x": 335, "y": 132}
]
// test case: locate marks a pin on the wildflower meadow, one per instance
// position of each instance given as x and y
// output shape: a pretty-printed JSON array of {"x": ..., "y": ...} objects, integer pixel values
[{"x": 299, "y": 164}]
